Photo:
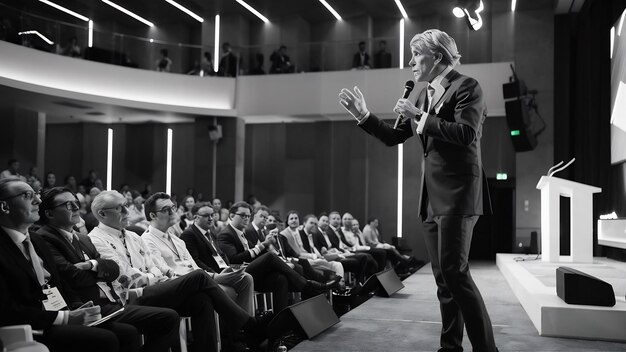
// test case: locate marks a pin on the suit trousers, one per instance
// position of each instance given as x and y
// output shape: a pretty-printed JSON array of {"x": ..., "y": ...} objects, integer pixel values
[
  {"x": 243, "y": 285},
  {"x": 79, "y": 338},
  {"x": 197, "y": 296},
  {"x": 448, "y": 239},
  {"x": 271, "y": 274},
  {"x": 158, "y": 325}
]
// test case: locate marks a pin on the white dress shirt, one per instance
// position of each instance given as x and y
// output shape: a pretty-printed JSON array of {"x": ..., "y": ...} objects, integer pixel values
[
  {"x": 169, "y": 251},
  {"x": 255, "y": 250},
  {"x": 129, "y": 251},
  {"x": 436, "y": 85}
]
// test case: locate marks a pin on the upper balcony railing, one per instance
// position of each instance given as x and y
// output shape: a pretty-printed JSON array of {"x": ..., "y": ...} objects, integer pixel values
[{"x": 145, "y": 53}]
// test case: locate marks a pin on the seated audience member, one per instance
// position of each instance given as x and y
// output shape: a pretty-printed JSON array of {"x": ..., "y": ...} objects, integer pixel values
[
  {"x": 70, "y": 182},
  {"x": 373, "y": 238},
  {"x": 90, "y": 181},
  {"x": 13, "y": 167},
  {"x": 361, "y": 60},
  {"x": 293, "y": 245},
  {"x": 402, "y": 264},
  {"x": 256, "y": 232},
  {"x": 270, "y": 273},
  {"x": 136, "y": 214},
  {"x": 335, "y": 235},
  {"x": 29, "y": 281},
  {"x": 164, "y": 63},
  {"x": 90, "y": 276},
  {"x": 354, "y": 242},
  {"x": 185, "y": 211},
  {"x": 382, "y": 58},
  {"x": 281, "y": 62},
  {"x": 330, "y": 246},
  {"x": 50, "y": 180},
  {"x": 142, "y": 282},
  {"x": 173, "y": 250}
]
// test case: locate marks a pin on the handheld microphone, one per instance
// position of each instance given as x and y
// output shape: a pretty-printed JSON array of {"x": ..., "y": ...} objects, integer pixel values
[{"x": 408, "y": 88}]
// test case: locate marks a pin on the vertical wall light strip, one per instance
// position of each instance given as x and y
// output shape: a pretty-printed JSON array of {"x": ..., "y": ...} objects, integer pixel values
[
  {"x": 513, "y": 5},
  {"x": 90, "y": 41},
  {"x": 612, "y": 34},
  {"x": 216, "y": 53},
  {"x": 110, "y": 160},
  {"x": 401, "y": 46},
  {"x": 168, "y": 167},
  {"x": 400, "y": 176}
]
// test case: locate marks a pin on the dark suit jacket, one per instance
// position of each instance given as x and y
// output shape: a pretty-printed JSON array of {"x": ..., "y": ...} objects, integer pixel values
[
  {"x": 356, "y": 60},
  {"x": 84, "y": 282},
  {"x": 452, "y": 177},
  {"x": 201, "y": 250},
  {"x": 319, "y": 241},
  {"x": 231, "y": 245},
  {"x": 252, "y": 235},
  {"x": 20, "y": 293},
  {"x": 305, "y": 242},
  {"x": 332, "y": 235}
]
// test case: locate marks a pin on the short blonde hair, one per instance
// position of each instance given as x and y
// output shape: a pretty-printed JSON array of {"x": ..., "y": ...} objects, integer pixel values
[{"x": 436, "y": 41}]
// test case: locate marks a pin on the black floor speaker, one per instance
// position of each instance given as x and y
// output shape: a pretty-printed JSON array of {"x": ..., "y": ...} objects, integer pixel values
[
  {"x": 311, "y": 316},
  {"x": 384, "y": 283},
  {"x": 576, "y": 287}
]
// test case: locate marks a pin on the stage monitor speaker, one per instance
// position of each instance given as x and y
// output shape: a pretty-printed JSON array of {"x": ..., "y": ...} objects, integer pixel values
[
  {"x": 519, "y": 126},
  {"x": 534, "y": 242},
  {"x": 313, "y": 316},
  {"x": 576, "y": 287},
  {"x": 385, "y": 283}
]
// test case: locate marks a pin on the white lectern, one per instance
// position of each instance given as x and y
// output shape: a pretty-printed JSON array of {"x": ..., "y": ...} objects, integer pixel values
[{"x": 581, "y": 238}]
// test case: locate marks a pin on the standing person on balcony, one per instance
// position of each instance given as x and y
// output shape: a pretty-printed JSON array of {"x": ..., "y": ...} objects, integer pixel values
[
  {"x": 228, "y": 62},
  {"x": 281, "y": 63},
  {"x": 164, "y": 64},
  {"x": 361, "y": 60}
]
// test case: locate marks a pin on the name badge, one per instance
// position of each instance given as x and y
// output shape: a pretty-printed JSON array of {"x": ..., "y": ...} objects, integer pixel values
[
  {"x": 218, "y": 259},
  {"x": 106, "y": 290},
  {"x": 54, "y": 301}
]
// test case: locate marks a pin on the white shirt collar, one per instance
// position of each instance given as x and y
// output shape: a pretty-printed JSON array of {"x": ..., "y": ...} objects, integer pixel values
[
  {"x": 110, "y": 230},
  {"x": 255, "y": 227},
  {"x": 202, "y": 231},
  {"x": 437, "y": 80},
  {"x": 68, "y": 235},
  {"x": 157, "y": 232},
  {"x": 237, "y": 231}
]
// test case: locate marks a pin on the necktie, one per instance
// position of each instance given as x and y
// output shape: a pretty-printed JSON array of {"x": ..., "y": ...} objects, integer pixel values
[
  {"x": 34, "y": 260},
  {"x": 244, "y": 241},
  {"x": 430, "y": 91},
  {"x": 76, "y": 246}
]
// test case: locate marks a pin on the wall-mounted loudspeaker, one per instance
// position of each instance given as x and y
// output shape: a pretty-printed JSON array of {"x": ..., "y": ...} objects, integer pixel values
[
  {"x": 519, "y": 126},
  {"x": 215, "y": 132},
  {"x": 576, "y": 287}
]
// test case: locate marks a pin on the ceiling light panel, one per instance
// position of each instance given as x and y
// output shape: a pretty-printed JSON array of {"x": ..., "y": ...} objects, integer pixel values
[{"x": 129, "y": 13}]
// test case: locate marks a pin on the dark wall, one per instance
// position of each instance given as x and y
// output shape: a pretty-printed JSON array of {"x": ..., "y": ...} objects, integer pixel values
[
  {"x": 18, "y": 138},
  {"x": 323, "y": 166},
  {"x": 583, "y": 107},
  {"x": 139, "y": 154}
]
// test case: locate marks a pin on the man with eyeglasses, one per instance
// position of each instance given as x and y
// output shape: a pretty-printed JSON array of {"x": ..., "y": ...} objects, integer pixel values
[
  {"x": 270, "y": 273},
  {"x": 203, "y": 248},
  {"x": 159, "y": 207},
  {"x": 31, "y": 291},
  {"x": 143, "y": 282},
  {"x": 90, "y": 276}
]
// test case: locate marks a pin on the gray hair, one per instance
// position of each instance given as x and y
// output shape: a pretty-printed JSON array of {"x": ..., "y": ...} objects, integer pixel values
[
  {"x": 103, "y": 200},
  {"x": 436, "y": 41}
]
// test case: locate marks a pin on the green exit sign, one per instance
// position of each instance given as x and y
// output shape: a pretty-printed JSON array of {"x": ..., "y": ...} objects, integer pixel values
[
  {"x": 514, "y": 132},
  {"x": 501, "y": 176}
]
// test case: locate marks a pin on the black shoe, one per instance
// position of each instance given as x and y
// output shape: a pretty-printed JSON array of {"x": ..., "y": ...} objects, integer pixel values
[{"x": 256, "y": 329}]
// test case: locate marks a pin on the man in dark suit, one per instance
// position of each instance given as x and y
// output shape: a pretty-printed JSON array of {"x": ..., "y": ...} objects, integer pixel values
[
  {"x": 361, "y": 59},
  {"x": 382, "y": 58},
  {"x": 270, "y": 273},
  {"x": 328, "y": 245},
  {"x": 256, "y": 232},
  {"x": 448, "y": 119},
  {"x": 28, "y": 277},
  {"x": 83, "y": 270}
]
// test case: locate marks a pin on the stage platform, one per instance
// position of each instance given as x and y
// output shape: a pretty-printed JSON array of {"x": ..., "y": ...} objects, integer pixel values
[
  {"x": 410, "y": 321},
  {"x": 534, "y": 285}
]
